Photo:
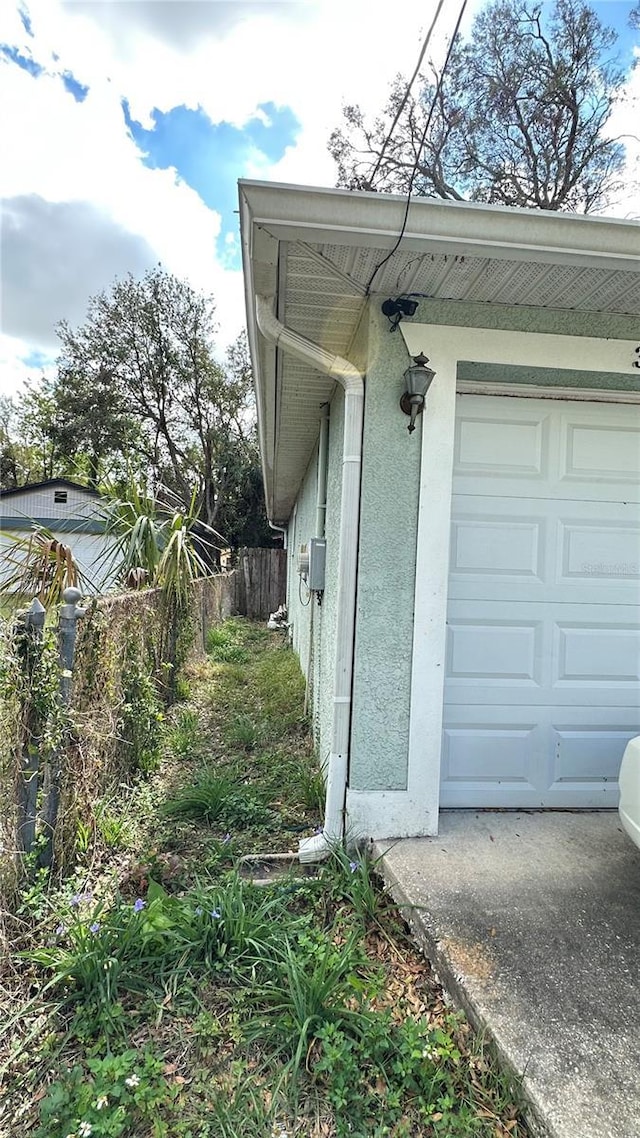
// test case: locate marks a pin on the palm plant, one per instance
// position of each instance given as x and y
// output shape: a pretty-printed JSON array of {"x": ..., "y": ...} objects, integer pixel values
[
  {"x": 42, "y": 567},
  {"x": 155, "y": 540},
  {"x": 134, "y": 534},
  {"x": 181, "y": 562}
]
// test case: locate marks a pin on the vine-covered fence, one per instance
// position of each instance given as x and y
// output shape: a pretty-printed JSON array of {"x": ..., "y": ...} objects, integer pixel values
[{"x": 71, "y": 728}]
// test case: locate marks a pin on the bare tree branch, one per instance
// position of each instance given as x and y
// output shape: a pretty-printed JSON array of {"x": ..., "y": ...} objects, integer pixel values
[{"x": 521, "y": 118}]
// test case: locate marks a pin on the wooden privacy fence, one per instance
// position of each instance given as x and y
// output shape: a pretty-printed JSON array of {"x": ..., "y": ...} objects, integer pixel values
[{"x": 260, "y": 582}]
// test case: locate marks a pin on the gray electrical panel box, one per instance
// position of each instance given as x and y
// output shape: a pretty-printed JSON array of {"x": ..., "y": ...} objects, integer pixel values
[{"x": 317, "y": 561}]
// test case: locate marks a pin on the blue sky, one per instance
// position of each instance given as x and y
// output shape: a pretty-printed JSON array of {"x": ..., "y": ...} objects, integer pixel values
[
  {"x": 210, "y": 157},
  {"x": 615, "y": 14},
  {"x": 132, "y": 121}
]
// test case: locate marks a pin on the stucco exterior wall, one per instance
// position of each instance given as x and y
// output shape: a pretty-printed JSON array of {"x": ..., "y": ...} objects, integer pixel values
[
  {"x": 386, "y": 572},
  {"x": 301, "y": 528},
  {"x": 314, "y": 625},
  {"x": 521, "y": 318},
  {"x": 548, "y": 321}
]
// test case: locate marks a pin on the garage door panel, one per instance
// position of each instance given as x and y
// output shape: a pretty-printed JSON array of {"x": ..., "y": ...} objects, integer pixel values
[
  {"x": 486, "y": 752},
  {"x": 501, "y": 652},
  {"x": 554, "y": 759},
  {"x": 497, "y": 547},
  {"x": 498, "y": 553},
  {"x": 570, "y": 450},
  {"x": 566, "y": 658},
  {"x": 543, "y": 642},
  {"x": 597, "y": 656},
  {"x": 607, "y": 454},
  {"x": 523, "y": 445},
  {"x": 589, "y": 754},
  {"x": 601, "y": 552}
]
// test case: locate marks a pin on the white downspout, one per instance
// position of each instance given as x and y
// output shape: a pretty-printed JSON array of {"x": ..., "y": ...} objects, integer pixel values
[
  {"x": 323, "y": 454},
  {"x": 352, "y": 381},
  {"x": 279, "y": 529}
]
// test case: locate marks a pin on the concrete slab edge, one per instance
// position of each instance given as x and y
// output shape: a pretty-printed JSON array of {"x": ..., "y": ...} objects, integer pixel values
[{"x": 425, "y": 936}]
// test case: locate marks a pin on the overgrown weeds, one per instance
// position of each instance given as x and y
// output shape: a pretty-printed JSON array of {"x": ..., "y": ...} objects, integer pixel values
[{"x": 159, "y": 993}]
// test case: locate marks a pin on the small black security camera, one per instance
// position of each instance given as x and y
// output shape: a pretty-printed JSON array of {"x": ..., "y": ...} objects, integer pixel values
[
  {"x": 396, "y": 309},
  {"x": 406, "y": 306}
]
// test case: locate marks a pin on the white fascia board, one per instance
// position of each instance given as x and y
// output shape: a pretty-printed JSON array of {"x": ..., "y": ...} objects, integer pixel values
[
  {"x": 298, "y": 213},
  {"x": 535, "y": 349}
]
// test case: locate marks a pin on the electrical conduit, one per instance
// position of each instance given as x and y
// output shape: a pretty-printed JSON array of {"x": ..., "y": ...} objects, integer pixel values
[{"x": 352, "y": 382}]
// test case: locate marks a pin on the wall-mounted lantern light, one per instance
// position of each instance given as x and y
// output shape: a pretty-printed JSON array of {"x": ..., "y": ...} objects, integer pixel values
[{"x": 417, "y": 380}]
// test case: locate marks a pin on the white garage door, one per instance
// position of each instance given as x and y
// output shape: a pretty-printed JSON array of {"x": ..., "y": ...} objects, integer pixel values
[{"x": 543, "y": 655}]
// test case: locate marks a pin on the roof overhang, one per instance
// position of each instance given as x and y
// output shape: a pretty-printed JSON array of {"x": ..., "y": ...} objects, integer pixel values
[{"x": 314, "y": 253}]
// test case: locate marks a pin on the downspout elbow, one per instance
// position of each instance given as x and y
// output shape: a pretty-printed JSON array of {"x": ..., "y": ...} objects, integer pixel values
[{"x": 343, "y": 371}]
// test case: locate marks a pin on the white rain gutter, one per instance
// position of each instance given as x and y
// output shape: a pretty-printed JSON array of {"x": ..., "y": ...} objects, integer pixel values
[{"x": 352, "y": 382}]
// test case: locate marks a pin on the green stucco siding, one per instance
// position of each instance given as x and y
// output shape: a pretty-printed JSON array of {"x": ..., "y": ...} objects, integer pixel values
[
  {"x": 525, "y": 319},
  {"x": 522, "y": 318},
  {"x": 547, "y": 377},
  {"x": 386, "y": 572},
  {"x": 313, "y": 625},
  {"x": 301, "y": 528}
]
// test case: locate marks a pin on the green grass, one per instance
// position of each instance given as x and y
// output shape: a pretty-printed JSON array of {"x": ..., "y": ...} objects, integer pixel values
[
  {"x": 224, "y": 644},
  {"x": 242, "y": 733},
  {"x": 184, "y": 737},
  {"x": 159, "y": 995},
  {"x": 215, "y": 798}
]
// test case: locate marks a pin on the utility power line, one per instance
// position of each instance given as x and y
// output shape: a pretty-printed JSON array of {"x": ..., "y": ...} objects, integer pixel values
[{"x": 414, "y": 170}]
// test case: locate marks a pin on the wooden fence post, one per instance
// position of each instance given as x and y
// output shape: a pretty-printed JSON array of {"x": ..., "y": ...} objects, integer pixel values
[
  {"x": 70, "y": 612},
  {"x": 32, "y": 628}
]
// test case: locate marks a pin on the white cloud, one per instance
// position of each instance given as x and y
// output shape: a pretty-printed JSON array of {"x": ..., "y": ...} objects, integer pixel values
[
  {"x": 70, "y": 151},
  {"x": 624, "y": 125},
  {"x": 14, "y": 369},
  {"x": 95, "y": 210},
  {"x": 81, "y": 251}
]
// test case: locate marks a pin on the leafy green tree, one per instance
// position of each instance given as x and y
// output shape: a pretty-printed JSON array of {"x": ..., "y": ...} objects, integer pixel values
[
  {"x": 9, "y": 460},
  {"x": 243, "y": 520},
  {"x": 139, "y": 388},
  {"x": 141, "y": 376},
  {"x": 91, "y": 425},
  {"x": 33, "y": 434},
  {"x": 520, "y": 119}
]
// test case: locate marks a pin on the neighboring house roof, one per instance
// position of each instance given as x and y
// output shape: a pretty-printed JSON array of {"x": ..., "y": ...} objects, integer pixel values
[
  {"x": 67, "y": 482},
  {"x": 318, "y": 255},
  {"x": 27, "y": 507}
]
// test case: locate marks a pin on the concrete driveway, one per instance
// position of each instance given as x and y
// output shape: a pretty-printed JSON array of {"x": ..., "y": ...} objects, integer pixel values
[{"x": 532, "y": 921}]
